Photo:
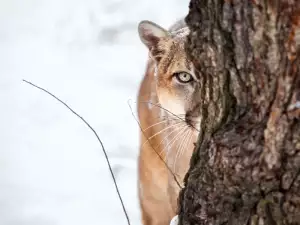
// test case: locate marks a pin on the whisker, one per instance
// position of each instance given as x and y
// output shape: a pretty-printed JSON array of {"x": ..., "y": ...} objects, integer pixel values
[
  {"x": 172, "y": 141},
  {"x": 185, "y": 146},
  {"x": 159, "y": 106},
  {"x": 169, "y": 116},
  {"x": 166, "y": 110},
  {"x": 177, "y": 128},
  {"x": 160, "y": 122},
  {"x": 178, "y": 116},
  {"x": 188, "y": 142},
  {"x": 184, "y": 139},
  {"x": 159, "y": 132}
]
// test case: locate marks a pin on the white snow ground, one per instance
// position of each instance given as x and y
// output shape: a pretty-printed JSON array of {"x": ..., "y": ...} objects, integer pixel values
[{"x": 87, "y": 52}]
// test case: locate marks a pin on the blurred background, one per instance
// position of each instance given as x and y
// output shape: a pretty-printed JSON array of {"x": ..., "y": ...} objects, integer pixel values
[{"x": 87, "y": 52}]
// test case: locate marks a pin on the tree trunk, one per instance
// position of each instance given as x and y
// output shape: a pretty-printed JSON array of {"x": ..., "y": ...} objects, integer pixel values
[{"x": 246, "y": 164}]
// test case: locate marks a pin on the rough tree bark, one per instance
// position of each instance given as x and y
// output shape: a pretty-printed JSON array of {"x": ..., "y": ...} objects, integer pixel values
[{"x": 246, "y": 165}]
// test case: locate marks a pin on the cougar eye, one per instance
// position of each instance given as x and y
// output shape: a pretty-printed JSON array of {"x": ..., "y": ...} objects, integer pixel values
[{"x": 183, "y": 77}]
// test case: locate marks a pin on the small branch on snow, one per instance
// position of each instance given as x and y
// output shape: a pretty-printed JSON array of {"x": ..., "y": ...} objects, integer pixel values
[{"x": 102, "y": 146}]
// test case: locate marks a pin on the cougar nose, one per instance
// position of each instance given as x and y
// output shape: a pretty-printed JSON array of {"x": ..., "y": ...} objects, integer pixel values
[{"x": 188, "y": 118}]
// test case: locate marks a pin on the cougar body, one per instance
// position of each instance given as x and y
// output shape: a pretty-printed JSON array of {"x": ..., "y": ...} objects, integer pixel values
[{"x": 168, "y": 115}]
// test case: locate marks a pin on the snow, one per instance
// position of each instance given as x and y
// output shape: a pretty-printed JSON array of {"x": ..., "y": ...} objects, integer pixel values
[{"x": 87, "y": 52}]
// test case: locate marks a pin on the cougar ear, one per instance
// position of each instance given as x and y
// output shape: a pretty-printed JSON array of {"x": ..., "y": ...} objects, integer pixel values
[{"x": 151, "y": 33}]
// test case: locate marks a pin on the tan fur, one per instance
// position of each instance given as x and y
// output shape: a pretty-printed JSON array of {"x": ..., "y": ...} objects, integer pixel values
[{"x": 158, "y": 190}]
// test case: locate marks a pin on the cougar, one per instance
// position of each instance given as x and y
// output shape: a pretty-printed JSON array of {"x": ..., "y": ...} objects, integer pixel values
[{"x": 168, "y": 112}]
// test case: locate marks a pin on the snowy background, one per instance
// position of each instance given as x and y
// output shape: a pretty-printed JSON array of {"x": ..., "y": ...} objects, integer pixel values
[{"x": 87, "y": 52}]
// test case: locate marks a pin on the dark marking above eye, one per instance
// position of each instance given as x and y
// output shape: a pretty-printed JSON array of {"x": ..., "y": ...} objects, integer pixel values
[
  {"x": 168, "y": 59},
  {"x": 187, "y": 64},
  {"x": 197, "y": 75},
  {"x": 157, "y": 53}
]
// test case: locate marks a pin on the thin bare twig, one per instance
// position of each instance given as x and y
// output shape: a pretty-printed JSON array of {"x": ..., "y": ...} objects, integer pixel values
[
  {"x": 174, "y": 176},
  {"x": 103, "y": 149}
]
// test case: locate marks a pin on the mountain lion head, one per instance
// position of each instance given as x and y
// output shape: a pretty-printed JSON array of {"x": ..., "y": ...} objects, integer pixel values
[{"x": 177, "y": 85}]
